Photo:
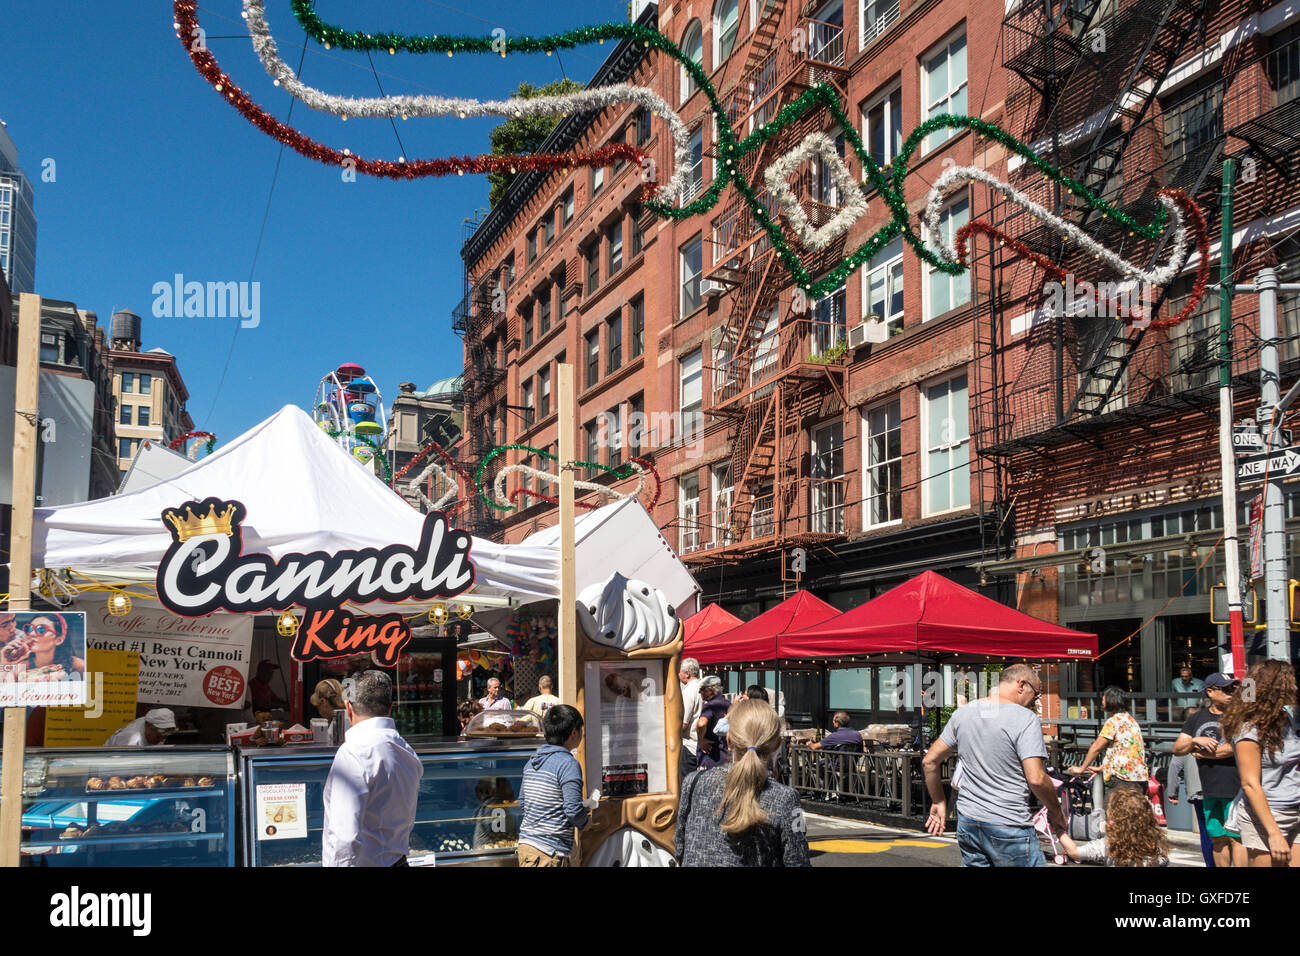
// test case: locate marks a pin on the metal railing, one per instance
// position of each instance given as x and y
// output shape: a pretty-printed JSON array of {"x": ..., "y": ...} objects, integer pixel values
[
  {"x": 877, "y": 18},
  {"x": 888, "y": 781},
  {"x": 826, "y": 43}
]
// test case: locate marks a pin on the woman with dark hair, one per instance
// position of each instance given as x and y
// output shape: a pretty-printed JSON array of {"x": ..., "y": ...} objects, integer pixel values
[
  {"x": 1125, "y": 762},
  {"x": 1261, "y": 723},
  {"x": 53, "y": 647}
]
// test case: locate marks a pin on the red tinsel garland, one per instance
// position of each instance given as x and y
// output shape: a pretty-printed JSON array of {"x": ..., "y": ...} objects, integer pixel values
[
  {"x": 180, "y": 440},
  {"x": 188, "y": 26}
]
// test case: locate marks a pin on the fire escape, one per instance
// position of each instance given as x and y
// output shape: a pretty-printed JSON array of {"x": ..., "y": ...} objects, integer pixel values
[
  {"x": 481, "y": 321},
  {"x": 775, "y": 357}
]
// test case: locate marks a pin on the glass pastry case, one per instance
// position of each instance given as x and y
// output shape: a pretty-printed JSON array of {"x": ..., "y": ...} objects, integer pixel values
[
  {"x": 468, "y": 809},
  {"x": 158, "y": 806}
]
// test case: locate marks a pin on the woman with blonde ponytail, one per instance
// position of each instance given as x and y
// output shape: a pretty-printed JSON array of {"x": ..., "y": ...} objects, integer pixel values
[{"x": 736, "y": 815}]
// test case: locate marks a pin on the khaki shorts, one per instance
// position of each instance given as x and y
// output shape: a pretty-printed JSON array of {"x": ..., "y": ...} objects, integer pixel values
[
  {"x": 531, "y": 856},
  {"x": 1255, "y": 837}
]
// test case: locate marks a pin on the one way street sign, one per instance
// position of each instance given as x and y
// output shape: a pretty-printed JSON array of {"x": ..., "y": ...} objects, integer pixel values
[{"x": 1283, "y": 462}]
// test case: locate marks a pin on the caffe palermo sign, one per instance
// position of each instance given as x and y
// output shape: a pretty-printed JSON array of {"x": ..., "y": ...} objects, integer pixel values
[{"x": 205, "y": 569}]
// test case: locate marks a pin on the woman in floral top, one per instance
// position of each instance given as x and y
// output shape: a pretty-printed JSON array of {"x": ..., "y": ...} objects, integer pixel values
[{"x": 1125, "y": 761}]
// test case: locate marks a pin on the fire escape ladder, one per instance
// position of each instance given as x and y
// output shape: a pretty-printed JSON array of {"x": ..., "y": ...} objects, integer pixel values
[{"x": 751, "y": 454}]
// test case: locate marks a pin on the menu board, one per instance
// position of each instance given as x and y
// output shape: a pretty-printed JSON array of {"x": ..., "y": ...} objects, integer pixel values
[
  {"x": 110, "y": 702},
  {"x": 626, "y": 741}
]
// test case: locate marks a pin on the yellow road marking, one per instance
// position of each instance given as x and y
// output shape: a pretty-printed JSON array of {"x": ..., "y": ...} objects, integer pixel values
[{"x": 869, "y": 846}]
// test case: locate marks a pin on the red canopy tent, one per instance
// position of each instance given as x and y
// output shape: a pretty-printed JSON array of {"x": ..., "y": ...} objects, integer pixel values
[
  {"x": 708, "y": 623},
  {"x": 757, "y": 640},
  {"x": 930, "y": 614}
]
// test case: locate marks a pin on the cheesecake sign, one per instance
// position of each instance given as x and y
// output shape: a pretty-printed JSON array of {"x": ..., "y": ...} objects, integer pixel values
[{"x": 205, "y": 569}]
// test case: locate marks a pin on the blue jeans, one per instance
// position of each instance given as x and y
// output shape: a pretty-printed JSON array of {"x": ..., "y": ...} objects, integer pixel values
[{"x": 990, "y": 844}]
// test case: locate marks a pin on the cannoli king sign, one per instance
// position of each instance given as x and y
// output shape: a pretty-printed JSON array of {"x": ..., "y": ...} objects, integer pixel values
[{"x": 205, "y": 569}]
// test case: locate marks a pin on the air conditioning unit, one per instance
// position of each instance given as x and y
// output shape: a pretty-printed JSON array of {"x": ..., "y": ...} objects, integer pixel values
[
  {"x": 711, "y": 289},
  {"x": 868, "y": 332}
]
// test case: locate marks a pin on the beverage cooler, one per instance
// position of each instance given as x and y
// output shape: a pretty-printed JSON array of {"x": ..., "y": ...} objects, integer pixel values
[
  {"x": 468, "y": 809},
  {"x": 172, "y": 806}
]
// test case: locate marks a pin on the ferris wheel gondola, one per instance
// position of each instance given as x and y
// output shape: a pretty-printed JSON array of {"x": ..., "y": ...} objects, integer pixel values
[{"x": 349, "y": 408}]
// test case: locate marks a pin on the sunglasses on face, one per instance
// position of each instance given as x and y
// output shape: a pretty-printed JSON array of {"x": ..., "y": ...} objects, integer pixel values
[{"x": 40, "y": 630}]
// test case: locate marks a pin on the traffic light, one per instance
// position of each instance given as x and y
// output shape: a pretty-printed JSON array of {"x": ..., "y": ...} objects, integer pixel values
[{"x": 1250, "y": 608}]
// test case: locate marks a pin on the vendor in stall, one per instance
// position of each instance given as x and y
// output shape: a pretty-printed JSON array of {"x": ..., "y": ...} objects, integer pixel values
[
  {"x": 259, "y": 689},
  {"x": 151, "y": 730},
  {"x": 328, "y": 697}
]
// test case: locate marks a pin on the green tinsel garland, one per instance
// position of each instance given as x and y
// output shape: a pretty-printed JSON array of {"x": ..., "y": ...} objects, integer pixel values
[
  {"x": 621, "y": 472},
  {"x": 371, "y": 443}
]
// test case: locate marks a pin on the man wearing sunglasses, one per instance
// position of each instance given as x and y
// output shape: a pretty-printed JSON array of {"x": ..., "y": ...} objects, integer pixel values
[{"x": 1003, "y": 757}]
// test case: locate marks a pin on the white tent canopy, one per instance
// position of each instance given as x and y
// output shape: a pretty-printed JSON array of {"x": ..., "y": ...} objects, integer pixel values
[{"x": 304, "y": 493}]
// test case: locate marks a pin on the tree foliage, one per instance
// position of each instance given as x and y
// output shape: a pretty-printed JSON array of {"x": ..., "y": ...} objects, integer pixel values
[{"x": 523, "y": 134}]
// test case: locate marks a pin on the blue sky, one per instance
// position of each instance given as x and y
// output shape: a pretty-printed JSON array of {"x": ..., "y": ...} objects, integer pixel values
[{"x": 156, "y": 175}]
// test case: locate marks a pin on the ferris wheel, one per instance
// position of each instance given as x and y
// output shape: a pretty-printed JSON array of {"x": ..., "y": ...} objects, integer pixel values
[{"x": 349, "y": 408}]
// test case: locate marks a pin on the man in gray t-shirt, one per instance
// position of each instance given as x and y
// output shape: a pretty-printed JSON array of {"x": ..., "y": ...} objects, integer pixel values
[{"x": 1000, "y": 743}]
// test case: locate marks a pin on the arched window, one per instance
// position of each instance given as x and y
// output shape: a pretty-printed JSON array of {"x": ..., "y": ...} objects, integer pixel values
[
  {"x": 693, "y": 47},
  {"x": 726, "y": 26}
]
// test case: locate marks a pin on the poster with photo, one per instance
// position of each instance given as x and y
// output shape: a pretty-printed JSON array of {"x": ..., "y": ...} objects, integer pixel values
[
  {"x": 282, "y": 811},
  {"x": 42, "y": 659},
  {"x": 185, "y": 662},
  {"x": 626, "y": 743}
]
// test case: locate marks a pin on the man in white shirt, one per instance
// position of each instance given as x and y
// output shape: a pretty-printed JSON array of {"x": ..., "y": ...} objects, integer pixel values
[
  {"x": 151, "y": 730},
  {"x": 373, "y": 784},
  {"x": 494, "y": 699},
  {"x": 692, "y": 706}
]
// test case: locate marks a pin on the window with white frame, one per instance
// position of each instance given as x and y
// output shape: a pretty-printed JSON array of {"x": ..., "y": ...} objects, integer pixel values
[
  {"x": 945, "y": 467},
  {"x": 692, "y": 265},
  {"x": 882, "y": 287},
  {"x": 544, "y": 390},
  {"x": 529, "y": 411},
  {"x": 943, "y": 85},
  {"x": 614, "y": 243},
  {"x": 825, "y": 188},
  {"x": 874, "y": 18},
  {"x": 828, "y": 321},
  {"x": 612, "y": 424},
  {"x": 726, "y": 26},
  {"x": 693, "y": 47},
  {"x": 695, "y": 172},
  {"x": 946, "y": 292},
  {"x": 567, "y": 204},
  {"x": 688, "y": 511},
  {"x": 882, "y": 125},
  {"x": 722, "y": 495},
  {"x": 692, "y": 392},
  {"x": 597, "y": 179},
  {"x": 828, "y": 482},
  {"x": 883, "y": 464}
]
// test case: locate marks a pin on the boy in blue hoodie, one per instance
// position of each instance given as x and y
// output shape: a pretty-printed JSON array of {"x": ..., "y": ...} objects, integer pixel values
[{"x": 552, "y": 792}]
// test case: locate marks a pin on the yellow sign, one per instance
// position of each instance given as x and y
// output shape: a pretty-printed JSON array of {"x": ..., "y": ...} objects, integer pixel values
[{"x": 113, "y": 681}]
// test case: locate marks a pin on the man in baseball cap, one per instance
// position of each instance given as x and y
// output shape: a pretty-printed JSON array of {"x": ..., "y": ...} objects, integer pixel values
[
  {"x": 1202, "y": 736},
  {"x": 151, "y": 730}
]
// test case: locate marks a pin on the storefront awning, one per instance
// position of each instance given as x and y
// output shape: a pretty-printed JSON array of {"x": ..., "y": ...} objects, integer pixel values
[
  {"x": 709, "y": 623},
  {"x": 757, "y": 639},
  {"x": 933, "y": 615}
]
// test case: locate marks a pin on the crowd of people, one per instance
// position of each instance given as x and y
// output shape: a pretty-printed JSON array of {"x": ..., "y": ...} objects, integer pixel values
[{"x": 1238, "y": 758}]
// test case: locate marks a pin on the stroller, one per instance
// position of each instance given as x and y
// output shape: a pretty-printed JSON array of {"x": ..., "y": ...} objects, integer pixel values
[{"x": 1081, "y": 806}]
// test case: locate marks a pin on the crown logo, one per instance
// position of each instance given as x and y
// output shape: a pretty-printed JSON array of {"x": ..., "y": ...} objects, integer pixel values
[{"x": 194, "y": 526}]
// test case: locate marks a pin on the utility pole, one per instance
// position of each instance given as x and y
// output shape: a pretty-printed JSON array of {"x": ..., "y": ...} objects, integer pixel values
[{"x": 1227, "y": 457}]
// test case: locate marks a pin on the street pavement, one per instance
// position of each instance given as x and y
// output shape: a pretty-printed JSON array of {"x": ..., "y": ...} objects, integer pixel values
[{"x": 833, "y": 841}]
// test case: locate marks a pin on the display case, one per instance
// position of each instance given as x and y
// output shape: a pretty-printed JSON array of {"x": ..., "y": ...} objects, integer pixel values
[
  {"x": 157, "y": 806},
  {"x": 468, "y": 809}
]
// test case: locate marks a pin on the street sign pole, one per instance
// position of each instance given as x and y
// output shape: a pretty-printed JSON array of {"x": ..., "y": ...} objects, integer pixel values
[
  {"x": 1227, "y": 459},
  {"x": 1276, "y": 576}
]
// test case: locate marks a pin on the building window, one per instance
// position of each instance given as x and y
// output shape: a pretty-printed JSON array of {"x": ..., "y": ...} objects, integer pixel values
[
  {"x": 591, "y": 442},
  {"x": 593, "y": 357},
  {"x": 566, "y": 204},
  {"x": 726, "y": 25},
  {"x": 882, "y": 125},
  {"x": 636, "y": 425},
  {"x": 695, "y": 171},
  {"x": 945, "y": 469},
  {"x": 1282, "y": 65},
  {"x": 510, "y": 270},
  {"x": 828, "y": 478},
  {"x": 1194, "y": 119},
  {"x": 688, "y": 511},
  {"x": 947, "y": 292},
  {"x": 597, "y": 179},
  {"x": 692, "y": 394},
  {"x": 692, "y": 265},
  {"x": 142, "y": 415},
  {"x": 526, "y": 399},
  {"x": 637, "y": 240},
  {"x": 875, "y": 17},
  {"x": 767, "y": 351},
  {"x": 720, "y": 519},
  {"x": 526, "y": 318},
  {"x": 593, "y": 266},
  {"x": 614, "y": 342},
  {"x": 532, "y": 247},
  {"x": 561, "y": 306},
  {"x": 128, "y": 382},
  {"x": 124, "y": 415},
  {"x": 882, "y": 287},
  {"x": 637, "y": 344},
  {"x": 693, "y": 47},
  {"x": 613, "y": 438},
  {"x": 884, "y": 464},
  {"x": 548, "y": 229},
  {"x": 825, "y": 188},
  {"x": 544, "y": 311},
  {"x": 50, "y": 351},
  {"x": 124, "y": 448},
  {"x": 943, "y": 85},
  {"x": 642, "y": 126},
  {"x": 614, "y": 237},
  {"x": 828, "y": 322},
  {"x": 544, "y": 391}
]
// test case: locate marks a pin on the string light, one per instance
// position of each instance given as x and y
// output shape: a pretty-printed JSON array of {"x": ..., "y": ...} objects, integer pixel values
[
  {"x": 438, "y": 613},
  {"x": 286, "y": 625},
  {"x": 119, "y": 605}
]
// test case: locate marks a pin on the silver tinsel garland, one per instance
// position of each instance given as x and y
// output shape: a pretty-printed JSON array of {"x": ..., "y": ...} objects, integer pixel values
[{"x": 854, "y": 202}]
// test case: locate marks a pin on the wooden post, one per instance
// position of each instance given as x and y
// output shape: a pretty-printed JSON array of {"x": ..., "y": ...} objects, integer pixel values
[
  {"x": 570, "y": 679},
  {"x": 26, "y": 399}
]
